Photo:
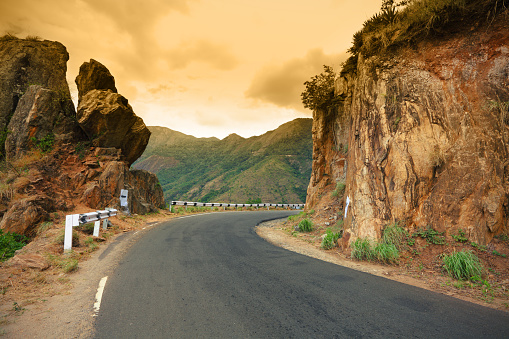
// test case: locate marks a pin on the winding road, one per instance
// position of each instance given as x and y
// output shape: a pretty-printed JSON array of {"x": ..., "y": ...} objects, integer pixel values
[{"x": 212, "y": 276}]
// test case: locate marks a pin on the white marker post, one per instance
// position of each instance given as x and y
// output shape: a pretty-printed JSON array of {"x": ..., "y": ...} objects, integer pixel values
[
  {"x": 70, "y": 221},
  {"x": 347, "y": 203}
]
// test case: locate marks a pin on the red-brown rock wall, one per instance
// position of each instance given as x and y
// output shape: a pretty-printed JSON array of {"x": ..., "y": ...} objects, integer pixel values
[{"x": 427, "y": 136}]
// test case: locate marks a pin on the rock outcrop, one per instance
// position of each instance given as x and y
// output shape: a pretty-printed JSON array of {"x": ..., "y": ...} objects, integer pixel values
[
  {"x": 94, "y": 75},
  {"x": 83, "y": 160},
  {"x": 40, "y": 115},
  {"x": 425, "y": 138},
  {"x": 109, "y": 121},
  {"x": 106, "y": 116},
  {"x": 25, "y": 214},
  {"x": 43, "y": 64}
]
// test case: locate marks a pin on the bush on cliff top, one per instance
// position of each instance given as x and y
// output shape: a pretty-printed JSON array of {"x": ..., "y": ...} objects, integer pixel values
[
  {"x": 410, "y": 21},
  {"x": 319, "y": 90}
]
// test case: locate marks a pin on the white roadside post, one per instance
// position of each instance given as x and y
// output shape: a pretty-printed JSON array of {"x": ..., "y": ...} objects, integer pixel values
[
  {"x": 347, "y": 203},
  {"x": 70, "y": 221},
  {"x": 123, "y": 200}
]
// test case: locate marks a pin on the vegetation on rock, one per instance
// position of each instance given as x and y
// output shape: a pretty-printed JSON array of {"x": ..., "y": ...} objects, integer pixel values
[{"x": 10, "y": 243}]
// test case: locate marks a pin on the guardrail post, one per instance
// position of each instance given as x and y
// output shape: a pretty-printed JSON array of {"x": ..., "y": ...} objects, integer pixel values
[
  {"x": 70, "y": 221},
  {"x": 96, "y": 228}
]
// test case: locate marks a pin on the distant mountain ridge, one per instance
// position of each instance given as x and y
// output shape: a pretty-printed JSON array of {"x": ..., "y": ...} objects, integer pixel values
[{"x": 274, "y": 167}]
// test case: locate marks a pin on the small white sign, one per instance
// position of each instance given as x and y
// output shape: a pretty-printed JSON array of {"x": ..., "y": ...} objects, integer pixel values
[{"x": 123, "y": 198}]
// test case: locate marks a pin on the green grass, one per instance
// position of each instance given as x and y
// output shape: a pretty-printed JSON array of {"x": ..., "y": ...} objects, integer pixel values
[
  {"x": 330, "y": 239},
  {"x": 339, "y": 191},
  {"x": 460, "y": 237},
  {"x": 395, "y": 235},
  {"x": 464, "y": 265},
  {"x": 10, "y": 243},
  {"x": 387, "y": 250},
  {"x": 362, "y": 249},
  {"x": 495, "y": 252},
  {"x": 386, "y": 253},
  {"x": 431, "y": 236},
  {"x": 305, "y": 225}
]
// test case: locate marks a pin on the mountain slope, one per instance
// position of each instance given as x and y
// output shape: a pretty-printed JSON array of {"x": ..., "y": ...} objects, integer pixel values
[{"x": 274, "y": 167}]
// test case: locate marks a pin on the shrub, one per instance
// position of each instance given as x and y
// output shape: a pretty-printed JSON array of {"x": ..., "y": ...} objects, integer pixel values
[
  {"x": 305, "y": 225},
  {"x": 340, "y": 190},
  {"x": 46, "y": 143},
  {"x": 59, "y": 240},
  {"x": 395, "y": 235},
  {"x": 87, "y": 228},
  {"x": 330, "y": 239},
  {"x": 460, "y": 237},
  {"x": 10, "y": 243},
  {"x": 463, "y": 265},
  {"x": 319, "y": 92},
  {"x": 407, "y": 22},
  {"x": 431, "y": 236}
]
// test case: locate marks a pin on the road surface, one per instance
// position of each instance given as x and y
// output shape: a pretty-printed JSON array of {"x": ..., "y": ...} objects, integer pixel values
[{"x": 212, "y": 276}]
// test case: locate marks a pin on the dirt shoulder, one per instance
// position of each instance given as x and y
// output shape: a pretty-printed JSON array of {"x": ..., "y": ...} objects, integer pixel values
[
  {"x": 279, "y": 233},
  {"x": 53, "y": 303}
]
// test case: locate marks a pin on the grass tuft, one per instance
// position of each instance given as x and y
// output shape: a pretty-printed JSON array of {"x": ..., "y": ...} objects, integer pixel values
[
  {"x": 330, "y": 239},
  {"x": 305, "y": 225},
  {"x": 464, "y": 265}
]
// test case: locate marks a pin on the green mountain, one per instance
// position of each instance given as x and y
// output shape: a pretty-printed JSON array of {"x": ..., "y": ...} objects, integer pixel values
[{"x": 272, "y": 168}]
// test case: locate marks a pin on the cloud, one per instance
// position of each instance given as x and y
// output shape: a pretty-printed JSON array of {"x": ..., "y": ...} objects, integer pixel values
[
  {"x": 282, "y": 84},
  {"x": 203, "y": 51},
  {"x": 166, "y": 89}
]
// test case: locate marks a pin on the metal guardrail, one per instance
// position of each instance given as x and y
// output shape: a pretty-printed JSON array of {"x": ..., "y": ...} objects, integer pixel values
[
  {"x": 72, "y": 220},
  {"x": 212, "y": 204}
]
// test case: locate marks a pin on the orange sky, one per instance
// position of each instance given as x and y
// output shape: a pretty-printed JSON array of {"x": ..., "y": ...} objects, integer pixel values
[{"x": 201, "y": 67}]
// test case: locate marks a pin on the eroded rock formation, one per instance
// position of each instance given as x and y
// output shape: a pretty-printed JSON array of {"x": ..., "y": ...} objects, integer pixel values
[
  {"x": 78, "y": 161},
  {"x": 94, "y": 75},
  {"x": 106, "y": 116},
  {"x": 425, "y": 137},
  {"x": 109, "y": 121},
  {"x": 34, "y": 96}
]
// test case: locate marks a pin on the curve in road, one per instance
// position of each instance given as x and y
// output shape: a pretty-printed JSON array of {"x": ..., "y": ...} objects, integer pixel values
[{"x": 212, "y": 276}]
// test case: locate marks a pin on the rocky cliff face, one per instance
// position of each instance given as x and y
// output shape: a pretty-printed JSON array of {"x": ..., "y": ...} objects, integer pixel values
[
  {"x": 54, "y": 160},
  {"x": 34, "y": 96},
  {"x": 421, "y": 138}
]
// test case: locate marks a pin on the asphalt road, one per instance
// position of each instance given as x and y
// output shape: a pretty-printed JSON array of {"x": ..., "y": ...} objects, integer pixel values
[{"x": 212, "y": 276}]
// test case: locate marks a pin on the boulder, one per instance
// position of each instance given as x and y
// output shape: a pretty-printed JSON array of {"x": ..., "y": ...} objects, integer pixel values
[
  {"x": 25, "y": 214},
  {"x": 40, "y": 116},
  {"x": 109, "y": 121},
  {"x": 94, "y": 75},
  {"x": 145, "y": 192},
  {"x": 34, "y": 261}
]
